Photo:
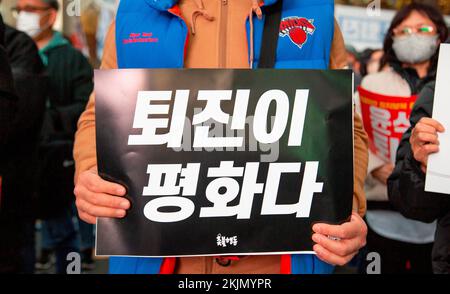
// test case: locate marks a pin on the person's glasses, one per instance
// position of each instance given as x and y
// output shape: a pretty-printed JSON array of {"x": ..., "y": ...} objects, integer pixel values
[
  {"x": 16, "y": 10},
  {"x": 406, "y": 31}
]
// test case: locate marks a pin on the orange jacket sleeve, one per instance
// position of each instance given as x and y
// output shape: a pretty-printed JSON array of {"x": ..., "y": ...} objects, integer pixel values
[
  {"x": 338, "y": 60},
  {"x": 361, "y": 159},
  {"x": 84, "y": 152}
]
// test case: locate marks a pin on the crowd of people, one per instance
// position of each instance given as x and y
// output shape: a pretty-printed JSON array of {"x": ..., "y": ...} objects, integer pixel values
[{"x": 47, "y": 137}]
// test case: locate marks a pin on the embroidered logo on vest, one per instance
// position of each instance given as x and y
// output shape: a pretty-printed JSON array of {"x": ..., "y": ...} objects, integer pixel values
[
  {"x": 297, "y": 29},
  {"x": 140, "y": 38}
]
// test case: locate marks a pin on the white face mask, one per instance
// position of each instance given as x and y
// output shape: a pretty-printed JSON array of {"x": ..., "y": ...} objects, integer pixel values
[
  {"x": 415, "y": 48},
  {"x": 29, "y": 23}
]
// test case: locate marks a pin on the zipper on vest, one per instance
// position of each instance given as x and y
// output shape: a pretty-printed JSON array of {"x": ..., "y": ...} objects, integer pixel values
[
  {"x": 223, "y": 33},
  {"x": 175, "y": 10}
]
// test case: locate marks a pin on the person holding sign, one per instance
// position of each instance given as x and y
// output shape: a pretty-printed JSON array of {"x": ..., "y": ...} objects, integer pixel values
[
  {"x": 386, "y": 98},
  {"x": 204, "y": 34},
  {"x": 407, "y": 183}
]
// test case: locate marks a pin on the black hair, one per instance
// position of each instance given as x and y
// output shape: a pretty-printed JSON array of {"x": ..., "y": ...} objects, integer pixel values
[
  {"x": 53, "y": 4},
  {"x": 389, "y": 57},
  {"x": 364, "y": 59}
]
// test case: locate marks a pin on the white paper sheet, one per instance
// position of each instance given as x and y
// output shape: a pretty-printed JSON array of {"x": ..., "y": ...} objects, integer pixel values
[{"x": 438, "y": 170}]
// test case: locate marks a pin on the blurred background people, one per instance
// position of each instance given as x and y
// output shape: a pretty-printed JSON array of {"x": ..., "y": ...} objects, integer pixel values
[
  {"x": 370, "y": 61},
  {"x": 353, "y": 63},
  {"x": 19, "y": 167},
  {"x": 90, "y": 22},
  {"x": 409, "y": 61},
  {"x": 70, "y": 83},
  {"x": 105, "y": 18}
]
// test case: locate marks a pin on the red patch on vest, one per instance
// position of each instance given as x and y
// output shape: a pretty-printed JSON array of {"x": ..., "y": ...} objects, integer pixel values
[{"x": 297, "y": 29}]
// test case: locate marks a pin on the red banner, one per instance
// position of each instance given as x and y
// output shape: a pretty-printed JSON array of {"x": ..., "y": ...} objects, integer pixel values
[{"x": 385, "y": 119}]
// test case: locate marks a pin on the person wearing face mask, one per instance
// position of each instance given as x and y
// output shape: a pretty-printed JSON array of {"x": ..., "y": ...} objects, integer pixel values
[
  {"x": 71, "y": 82},
  {"x": 35, "y": 18},
  {"x": 409, "y": 62}
]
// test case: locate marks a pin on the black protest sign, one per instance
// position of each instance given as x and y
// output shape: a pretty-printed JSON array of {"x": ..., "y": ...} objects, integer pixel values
[{"x": 220, "y": 162}]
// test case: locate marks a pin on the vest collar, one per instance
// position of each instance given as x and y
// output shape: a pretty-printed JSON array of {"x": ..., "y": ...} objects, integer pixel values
[
  {"x": 162, "y": 5},
  {"x": 165, "y": 5}
]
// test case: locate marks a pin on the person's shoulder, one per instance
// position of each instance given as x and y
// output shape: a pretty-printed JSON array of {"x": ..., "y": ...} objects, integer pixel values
[
  {"x": 386, "y": 82},
  {"x": 67, "y": 48},
  {"x": 426, "y": 97},
  {"x": 22, "y": 50},
  {"x": 72, "y": 54},
  {"x": 16, "y": 36},
  {"x": 428, "y": 89}
]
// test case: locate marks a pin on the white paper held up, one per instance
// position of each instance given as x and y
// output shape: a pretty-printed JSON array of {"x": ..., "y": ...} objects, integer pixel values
[{"x": 438, "y": 170}]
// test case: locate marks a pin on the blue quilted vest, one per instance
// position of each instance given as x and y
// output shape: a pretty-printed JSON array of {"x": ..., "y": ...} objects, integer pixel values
[{"x": 151, "y": 34}]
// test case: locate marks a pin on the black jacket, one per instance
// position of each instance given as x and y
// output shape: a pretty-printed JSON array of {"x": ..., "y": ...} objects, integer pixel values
[
  {"x": 8, "y": 100},
  {"x": 406, "y": 188},
  {"x": 70, "y": 85},
  {"x": 20, "y": 162},
  {"x": 30, "y": 84}
]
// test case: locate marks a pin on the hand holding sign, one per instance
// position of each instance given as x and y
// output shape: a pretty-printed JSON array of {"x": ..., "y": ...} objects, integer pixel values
[
  {"x": 347, "y": 239},
  {"x": 437, "y": 167},
  {"x": 424, "y": 140},
  {"x": 99, "y": 198}
]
